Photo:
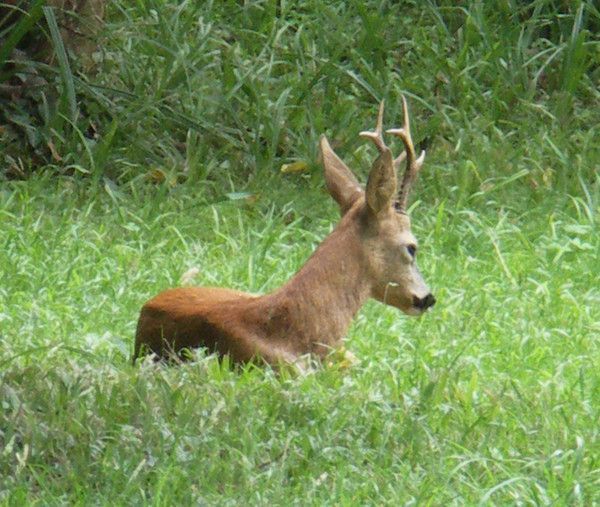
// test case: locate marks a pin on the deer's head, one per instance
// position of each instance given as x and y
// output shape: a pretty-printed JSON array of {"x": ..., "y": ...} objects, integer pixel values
[{"x": 384, "y": 238}]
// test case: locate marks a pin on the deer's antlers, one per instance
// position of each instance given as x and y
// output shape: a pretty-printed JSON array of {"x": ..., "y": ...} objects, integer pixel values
[
  {"x": 377, "y": 135},
  {"x": 413, "y": 164}
]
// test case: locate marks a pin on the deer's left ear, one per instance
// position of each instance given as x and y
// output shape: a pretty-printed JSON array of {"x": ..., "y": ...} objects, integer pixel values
[
  {"x": 381, "y": 186},
  {"x": 341, "y": 183}
]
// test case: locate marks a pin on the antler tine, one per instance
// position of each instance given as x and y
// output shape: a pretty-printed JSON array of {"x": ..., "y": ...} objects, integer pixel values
[
  {"x": 413, "y": 164},
  {"x": 399, "y": 159},
  {"x": 377, "y": 135}
]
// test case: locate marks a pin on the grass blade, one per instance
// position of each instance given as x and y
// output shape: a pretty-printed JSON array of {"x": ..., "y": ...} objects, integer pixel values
[{"x": 63, "y": 62}]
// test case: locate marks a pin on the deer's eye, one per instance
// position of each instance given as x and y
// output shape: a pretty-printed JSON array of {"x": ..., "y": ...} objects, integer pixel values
[{"x": 412, "y": 250}]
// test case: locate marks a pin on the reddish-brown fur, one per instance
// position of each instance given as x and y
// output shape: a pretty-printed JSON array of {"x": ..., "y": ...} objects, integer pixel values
[{"x": 365, "y": 256}]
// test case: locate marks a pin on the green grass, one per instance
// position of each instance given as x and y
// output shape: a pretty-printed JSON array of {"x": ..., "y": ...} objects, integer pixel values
[{"x": 492, "y": 398}]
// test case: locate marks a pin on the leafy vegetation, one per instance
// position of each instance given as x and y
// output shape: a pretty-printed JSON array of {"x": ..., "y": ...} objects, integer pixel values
[{"x": 172, "y": 160}]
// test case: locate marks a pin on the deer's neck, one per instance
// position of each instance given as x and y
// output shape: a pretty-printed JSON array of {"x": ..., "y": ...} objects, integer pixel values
[{"x": 313, "y": 310}]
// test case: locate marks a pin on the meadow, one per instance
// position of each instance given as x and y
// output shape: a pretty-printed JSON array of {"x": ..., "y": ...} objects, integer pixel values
[{"x": 168, "y": 157}]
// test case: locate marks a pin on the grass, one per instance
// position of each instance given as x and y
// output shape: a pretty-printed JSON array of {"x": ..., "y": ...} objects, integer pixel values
[{"x": 491, "y": 398}]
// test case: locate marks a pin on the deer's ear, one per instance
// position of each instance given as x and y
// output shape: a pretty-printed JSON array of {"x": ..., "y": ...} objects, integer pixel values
[
  {"x": 381, "y": 186},
  {"x": 341, "y": 183}
]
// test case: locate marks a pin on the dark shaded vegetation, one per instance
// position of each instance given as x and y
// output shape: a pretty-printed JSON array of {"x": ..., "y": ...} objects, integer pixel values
[{"x": 179, "y": 91}]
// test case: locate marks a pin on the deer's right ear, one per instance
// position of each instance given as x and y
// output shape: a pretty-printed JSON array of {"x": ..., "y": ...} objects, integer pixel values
[{"x": 341, "y": 183}]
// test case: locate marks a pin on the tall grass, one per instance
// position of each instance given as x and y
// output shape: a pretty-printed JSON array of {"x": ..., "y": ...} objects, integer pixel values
[
  {"x": 492, "y": 398},
  {"x": 201, "y": 90}
]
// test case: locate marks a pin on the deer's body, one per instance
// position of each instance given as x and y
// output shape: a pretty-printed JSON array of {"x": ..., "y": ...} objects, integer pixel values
[
  {"x": 329, "y": 289},
  {"x": 311, "y": 313}
]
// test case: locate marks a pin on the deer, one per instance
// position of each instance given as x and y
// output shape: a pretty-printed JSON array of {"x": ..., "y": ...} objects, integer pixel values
[{"x": 371, "y": 253}]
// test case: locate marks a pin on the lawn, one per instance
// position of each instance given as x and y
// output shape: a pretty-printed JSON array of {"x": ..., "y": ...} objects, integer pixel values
[{"x": 492, "y": 397}]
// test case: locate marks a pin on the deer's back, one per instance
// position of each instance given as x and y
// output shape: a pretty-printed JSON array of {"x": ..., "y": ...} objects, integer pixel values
[{"x": 194, "y": 317}]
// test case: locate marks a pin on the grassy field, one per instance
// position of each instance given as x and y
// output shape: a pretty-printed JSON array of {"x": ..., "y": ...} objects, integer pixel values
[{"x": 492, "y": 398}]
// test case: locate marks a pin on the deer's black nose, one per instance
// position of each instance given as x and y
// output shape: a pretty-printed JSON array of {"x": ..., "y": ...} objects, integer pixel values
[{"x": 424, "y": 303}]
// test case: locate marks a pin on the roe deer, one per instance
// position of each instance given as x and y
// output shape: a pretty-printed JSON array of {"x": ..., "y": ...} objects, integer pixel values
[{"x": 371, "y": 253}]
